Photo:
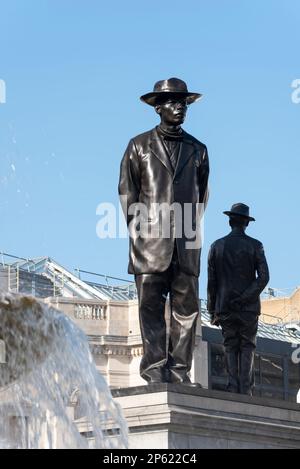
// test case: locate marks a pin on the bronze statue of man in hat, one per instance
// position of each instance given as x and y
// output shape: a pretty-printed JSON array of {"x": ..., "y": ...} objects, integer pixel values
[
  {"x": 237, "y": 274},
  {"x": 163, "y": 182}
]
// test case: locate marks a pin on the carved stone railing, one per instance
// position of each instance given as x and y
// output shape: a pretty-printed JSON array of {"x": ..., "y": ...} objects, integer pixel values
[
  {"x": 117, "y": 350},
  {"x": 90, "y": 311}
]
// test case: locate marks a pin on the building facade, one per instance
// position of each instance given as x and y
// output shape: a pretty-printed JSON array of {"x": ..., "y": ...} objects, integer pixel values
[
  {"x": 278, "y": 308},
  {"x": 108, "y": 314}
]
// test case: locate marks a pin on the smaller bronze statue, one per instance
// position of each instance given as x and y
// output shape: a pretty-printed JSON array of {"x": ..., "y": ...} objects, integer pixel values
[{"x": 237, "y": 274}]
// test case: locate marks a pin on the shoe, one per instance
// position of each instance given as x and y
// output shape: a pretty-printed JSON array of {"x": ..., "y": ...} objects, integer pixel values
[
  {"x": 156, "y": 375},
  {"x": 192, "y": 385}
]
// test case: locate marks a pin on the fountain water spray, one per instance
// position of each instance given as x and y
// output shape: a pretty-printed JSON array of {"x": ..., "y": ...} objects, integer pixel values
[{"x": 51, "y": 394}]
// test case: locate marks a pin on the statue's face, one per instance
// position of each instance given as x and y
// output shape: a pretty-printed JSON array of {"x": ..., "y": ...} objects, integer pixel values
[{"x": 172, "y": 111}]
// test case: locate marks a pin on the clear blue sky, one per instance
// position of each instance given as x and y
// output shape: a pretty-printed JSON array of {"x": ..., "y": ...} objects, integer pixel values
[{"x": 74, "y": 71}]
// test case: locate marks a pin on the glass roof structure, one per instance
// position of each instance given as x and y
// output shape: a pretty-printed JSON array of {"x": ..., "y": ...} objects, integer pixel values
[{"x": 66, "y": 284}]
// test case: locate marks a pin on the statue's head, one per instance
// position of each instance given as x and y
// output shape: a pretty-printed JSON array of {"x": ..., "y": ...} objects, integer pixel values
[
  {"x": 239, "y": 216},
  {"x": 235, "y": 221},
  {"x": 170, "y": 99},
  {"x": 172, "y": 110}
]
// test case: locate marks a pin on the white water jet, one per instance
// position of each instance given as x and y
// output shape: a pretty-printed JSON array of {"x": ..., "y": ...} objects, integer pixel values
[{"x": 49, "y": 380}]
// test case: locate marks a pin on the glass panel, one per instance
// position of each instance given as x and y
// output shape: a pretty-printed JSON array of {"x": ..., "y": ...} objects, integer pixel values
[
  {"x": 219, "y": 385},
  {"x": 292, "y": 397},
  {"x": 272, "y": 393},
  {"x": 294, "y": 375},
  {"x": 217, "y": 356},
  {"x": 257, "y": 369},
  {"x": 272, "y": 370},
  {"x": 256, "y": 392}
]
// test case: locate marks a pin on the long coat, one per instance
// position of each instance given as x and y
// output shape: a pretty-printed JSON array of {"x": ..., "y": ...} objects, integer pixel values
[
  {"x": 147, "y": 177},
  {"x": 237, "y": 270}
]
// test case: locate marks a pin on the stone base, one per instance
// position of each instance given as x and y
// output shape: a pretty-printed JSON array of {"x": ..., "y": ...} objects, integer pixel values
[{"x": 172, "y": 416}]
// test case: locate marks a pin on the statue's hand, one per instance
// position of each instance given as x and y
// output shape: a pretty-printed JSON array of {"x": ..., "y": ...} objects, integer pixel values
[{"x": 214, "y": 320}]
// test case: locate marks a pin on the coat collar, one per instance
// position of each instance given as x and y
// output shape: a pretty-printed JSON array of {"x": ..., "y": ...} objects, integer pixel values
[
  {"x": 158, "y": 149},
  {"x": 237, "y": 233}
]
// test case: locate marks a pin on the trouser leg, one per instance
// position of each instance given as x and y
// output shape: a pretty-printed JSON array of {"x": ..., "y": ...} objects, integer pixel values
[
  {"x": 232, "y": 364},
  {"x": 184, "y": 305},
  {"x": 248, "y": 333},
  {"x": 152, "y": 292},
  {"x": 246, "y": 371},
  {"x": 232, "y": 348}
]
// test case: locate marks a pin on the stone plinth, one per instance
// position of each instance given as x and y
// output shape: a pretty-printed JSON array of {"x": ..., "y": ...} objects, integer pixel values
[{"x": 178, "y": 417}]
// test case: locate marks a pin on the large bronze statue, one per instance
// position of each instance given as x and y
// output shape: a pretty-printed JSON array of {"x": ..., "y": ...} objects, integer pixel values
[
  {"x": 237, "y": 274},
  {"x": 163, "y": 167}
]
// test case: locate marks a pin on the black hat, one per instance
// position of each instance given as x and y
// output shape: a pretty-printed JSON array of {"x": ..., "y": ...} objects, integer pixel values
[
  {"x": 170, "y": 87},
  {"x": 241, "y": 210}
]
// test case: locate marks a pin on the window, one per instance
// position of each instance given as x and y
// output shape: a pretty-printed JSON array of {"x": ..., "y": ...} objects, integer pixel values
[
  {"x": 271, "y": 371},
  {"x": 218, "y": 364},
  {"x": 276, "y": 377},
  {"x": 294, "y": 375},
  {"x": 269, "y": 376},
  {"x": 218, "y": 373},
  {"x": 293, "y": 380}
]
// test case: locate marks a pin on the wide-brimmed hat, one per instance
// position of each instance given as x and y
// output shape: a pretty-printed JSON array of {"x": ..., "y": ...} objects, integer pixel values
[
  {"x": 167, "y": 88},
  {"x": 240, "y": 210}
]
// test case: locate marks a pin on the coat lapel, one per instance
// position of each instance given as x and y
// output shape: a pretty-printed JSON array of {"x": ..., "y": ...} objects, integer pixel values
[
  {"x": 186, "y": 151},
  {"x": 158, "y": 149}
]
